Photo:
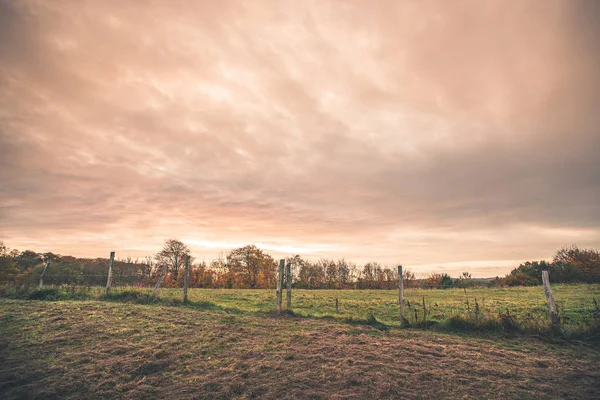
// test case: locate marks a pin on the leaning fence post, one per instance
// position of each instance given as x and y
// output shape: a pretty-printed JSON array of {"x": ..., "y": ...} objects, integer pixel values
[
  {"x": 401, "y": 291},
  {"x": 186, "y": 278},
  {"x": 46, "y": 264},
  {"x": 288, "y": 285},
  {"x": 550, "y": 299},
  {"x": 162, "y": 277},
  {"x": 280, "y": 285},
  {"x": 109, "y": 279}
]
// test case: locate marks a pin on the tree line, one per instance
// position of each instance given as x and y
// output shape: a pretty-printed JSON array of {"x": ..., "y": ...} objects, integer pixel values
[
  {"x": 569, "y": 265},
  {"x": 249, "y": 267}
]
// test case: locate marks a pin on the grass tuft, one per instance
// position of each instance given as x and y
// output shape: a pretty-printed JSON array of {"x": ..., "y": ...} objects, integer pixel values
[{"x": 130, "y": 296}]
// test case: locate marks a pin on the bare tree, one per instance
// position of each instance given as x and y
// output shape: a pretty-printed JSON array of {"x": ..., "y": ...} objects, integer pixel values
[{"x": 173, "y": 254}]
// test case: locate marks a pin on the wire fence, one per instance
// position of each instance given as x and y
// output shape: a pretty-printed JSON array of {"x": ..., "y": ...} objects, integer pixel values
[{"x": 576, "y": 305}]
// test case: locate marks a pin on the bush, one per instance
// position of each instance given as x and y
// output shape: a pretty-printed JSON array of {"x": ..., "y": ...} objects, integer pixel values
[{"x": 45, "y": 294}]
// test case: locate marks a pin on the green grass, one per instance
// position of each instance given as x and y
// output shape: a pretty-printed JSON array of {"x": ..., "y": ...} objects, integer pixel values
[{"x": 517, "y": 309}]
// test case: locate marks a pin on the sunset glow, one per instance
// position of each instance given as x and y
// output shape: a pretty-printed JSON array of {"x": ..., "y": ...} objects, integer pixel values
[{"x": 439, "y": 135}]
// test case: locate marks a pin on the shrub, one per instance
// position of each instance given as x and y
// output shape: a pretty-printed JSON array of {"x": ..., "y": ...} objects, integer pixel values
[{"x": 45, "y": 294}]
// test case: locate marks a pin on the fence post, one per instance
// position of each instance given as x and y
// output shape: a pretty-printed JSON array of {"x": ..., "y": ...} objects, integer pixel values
[
  {"x": 550, "y": 299},
  {"x": 288, "y": 285},
  {"x": 186, "y": 278},
  {"x": 280, "y": 285},
  {"x": 401, "y": 291},
  {"x": 109, "y": 279},
  {"x": 162, "y": 277},
  {"x": 46, "y": 264}
]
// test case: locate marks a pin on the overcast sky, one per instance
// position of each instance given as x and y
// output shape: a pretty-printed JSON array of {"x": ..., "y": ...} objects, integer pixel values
[{"x": 445, "y": 136}]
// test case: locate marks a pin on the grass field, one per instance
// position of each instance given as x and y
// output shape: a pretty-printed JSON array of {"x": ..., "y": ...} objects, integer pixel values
[
  {"x": 523, "y": 307},
  {"x": 92, "y": 349}
]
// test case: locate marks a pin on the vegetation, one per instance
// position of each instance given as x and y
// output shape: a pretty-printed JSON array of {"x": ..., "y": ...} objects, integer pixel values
[
  {"x": 107, "y": 350},
  {"x": 73, "y": 340},
  {"x": 488, "y": 310},
  {"x": 570, "y": 264},
  {"x": 249, "y": 267},
  {"x": 173, "y": 256}
]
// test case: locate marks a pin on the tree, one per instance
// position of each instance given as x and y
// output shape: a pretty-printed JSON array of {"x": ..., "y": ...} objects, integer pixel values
[
  {"x": 465, "y": 280},
  {"x": 251, "y": 267},
  {"x": 8, "y": 268},
  {"x": 409, "y": 278},
  {"x": 528, "y": 273},
  {"x": 297, "y": 263},
  {"x": 433, "y": 281},
  {"x": 27, "y": 260},
  {"x": 173, "y": 255},
  {"x": 368, "y": 274},
  {"x": 519, "y": 278},
  {"x": 446, "y": 281},
  {"x": 575, "y": 264},
  {"x": 391, "y": 277},
  {"x": 344, "y": 270},
  {"x": 310, "y": 276}
]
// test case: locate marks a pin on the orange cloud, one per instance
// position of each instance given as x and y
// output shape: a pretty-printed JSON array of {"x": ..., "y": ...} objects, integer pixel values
[{"x": 427, "y": 133}]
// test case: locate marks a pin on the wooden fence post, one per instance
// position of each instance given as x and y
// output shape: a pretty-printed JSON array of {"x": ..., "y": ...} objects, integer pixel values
[
  {"x": 550, "y": 299},
  {"x": 280, "y": 285},
  {"x": 401, "y": 291},
  {"x": 186, "y": 278},
  {"x": 109, "y": 279},
  {"x": 162, "y": 277},
  {"x": 288, "y": 285},
  {"x": 46, "y": 265}
]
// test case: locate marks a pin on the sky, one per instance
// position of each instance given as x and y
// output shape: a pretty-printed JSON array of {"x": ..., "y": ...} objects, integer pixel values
[{"x": 444, "y": 136}]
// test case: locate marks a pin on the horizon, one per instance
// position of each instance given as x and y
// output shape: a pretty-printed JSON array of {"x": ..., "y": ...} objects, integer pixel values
[
  {"x": 454, "y": 270},
  {"x": 443, "y": 137}
]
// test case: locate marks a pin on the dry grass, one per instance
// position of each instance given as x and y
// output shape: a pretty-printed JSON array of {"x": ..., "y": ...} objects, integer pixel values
[{"x": 93, "y": 349}]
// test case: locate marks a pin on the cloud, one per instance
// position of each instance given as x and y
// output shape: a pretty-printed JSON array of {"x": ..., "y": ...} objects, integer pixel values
[{"x": 416, "y": 132}]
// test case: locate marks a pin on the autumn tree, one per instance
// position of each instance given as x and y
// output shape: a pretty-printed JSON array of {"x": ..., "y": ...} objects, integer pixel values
[
  {"x": 201, "y": 275},
  {"x": 173, "y": 255},
  {"x": 572, "y": 264},
  {"x": 251, "y": 267},
  {"x": 433, "y": 281}
]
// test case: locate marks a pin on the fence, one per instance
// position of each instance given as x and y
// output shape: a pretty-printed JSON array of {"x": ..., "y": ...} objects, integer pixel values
[{"x": 413, "y": 306}]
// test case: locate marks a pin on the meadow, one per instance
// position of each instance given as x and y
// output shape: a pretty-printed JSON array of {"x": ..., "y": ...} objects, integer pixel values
[
  {"x": 479, "y": 308},
  {"x": 73, "y": 342}
]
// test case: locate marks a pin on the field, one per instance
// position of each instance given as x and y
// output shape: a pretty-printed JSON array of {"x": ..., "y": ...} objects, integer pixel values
[
  {"x": 230, "y": 344},
  {"x": 526, "y": 307}
]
